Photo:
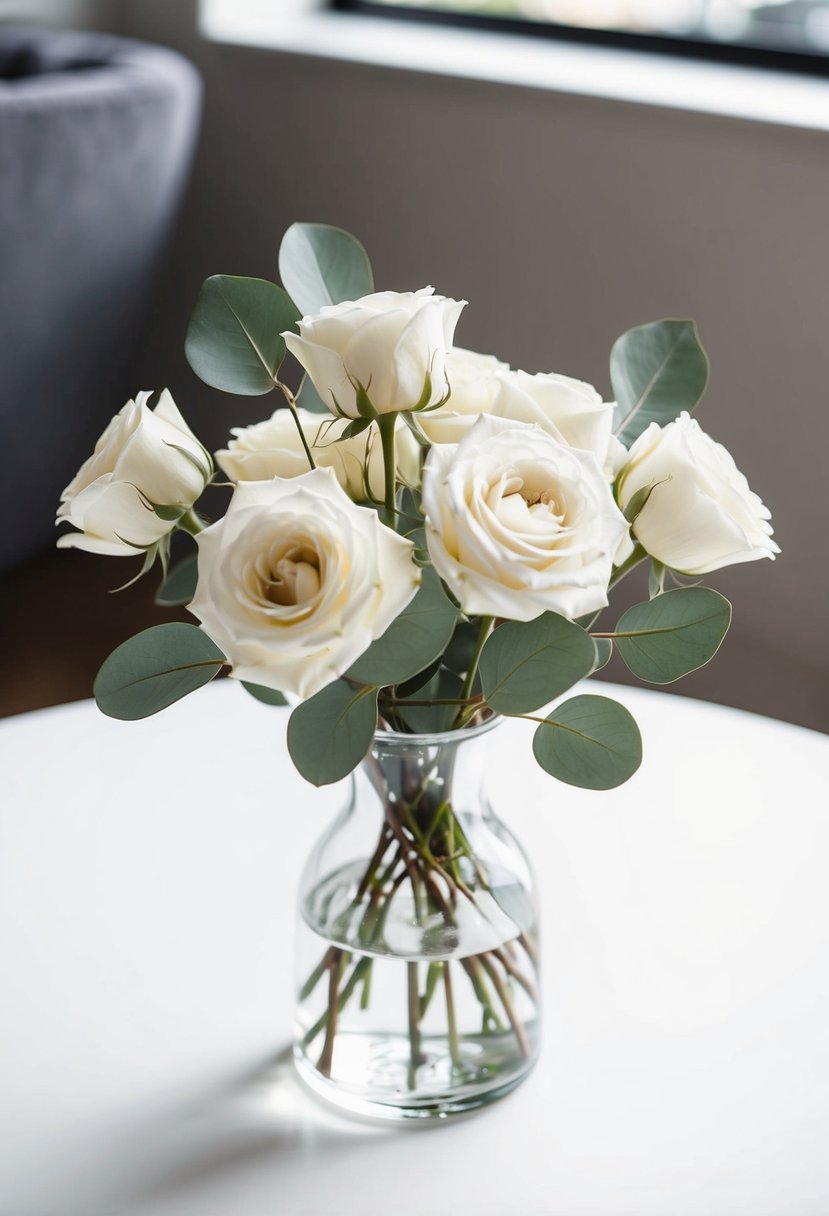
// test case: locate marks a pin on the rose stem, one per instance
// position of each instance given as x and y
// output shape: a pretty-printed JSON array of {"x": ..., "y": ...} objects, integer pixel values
[
  {"x": 454, "y": 1045},
  {"x": 361, "y": 969},
  {"x": 473, "y": 969},
  {"x": 468, "y": 684},
  {"x": 519, "y": 977},
  {"x": 386, "y": 424},
  {"x": 415, "y": 1057},
  {"x": 501, "y": 989},
  {"x": 529, "y": 947},
  {"x": 324, "y": 1062},
  {"x": 379, "y": 853}
]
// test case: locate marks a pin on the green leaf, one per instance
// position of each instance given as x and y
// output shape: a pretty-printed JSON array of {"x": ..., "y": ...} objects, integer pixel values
[
  {"x": 461, "y": 647},
  {"x": 604, "y": 652},
  {"x": 329, "y": 734},
  {"x": 321, "y": 265},
  {"x": 657, "y": 371},
  {"x": 673, "y": 634},
  {"x": 591, "y": 742},
  {"x": 355, "y": 428},
  {"x": 432, "y": 719},
  {"x": 309, "y": 399},
  {"x": 526, "y": 664},
  {"x": 234, "y": 340},
  {"x": 268, "y": 696},
  {"x": 410, "y": 687},
  {"x": 179, "y": 586},
  {"x": 413, "y": 639},
  {"x": 155, "y": 668}
]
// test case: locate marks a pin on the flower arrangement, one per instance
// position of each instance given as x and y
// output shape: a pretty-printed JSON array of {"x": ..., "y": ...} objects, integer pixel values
[
  {"x": 423, "y": 529},
  {"x": 422, "y": 541}
]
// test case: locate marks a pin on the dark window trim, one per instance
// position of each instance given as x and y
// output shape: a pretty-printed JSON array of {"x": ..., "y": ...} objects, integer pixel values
[{"x": 810, "y": 63}]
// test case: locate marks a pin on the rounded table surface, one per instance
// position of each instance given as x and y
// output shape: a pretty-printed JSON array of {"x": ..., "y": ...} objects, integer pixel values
[{"x": 147, "y": 881}]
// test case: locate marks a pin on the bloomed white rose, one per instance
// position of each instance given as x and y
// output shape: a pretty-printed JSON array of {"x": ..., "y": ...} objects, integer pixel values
[
  {"x": 144, "y": 459},
  {"x": 296, "y": 581},
  {"x": 273, "y": 448},
  {"x": 572, "y": 411},
  {"x": 387, "y": 349},
  {"x": 519, "y": 523},
  {"x": 474, "y": 384},
  {"x": 701, "y": 514}
]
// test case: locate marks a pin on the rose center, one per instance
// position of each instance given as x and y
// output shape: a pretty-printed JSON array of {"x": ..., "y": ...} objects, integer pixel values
[{"x": 293, "y": 580}]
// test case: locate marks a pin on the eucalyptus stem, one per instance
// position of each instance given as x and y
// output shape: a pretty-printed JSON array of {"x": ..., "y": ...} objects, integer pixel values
[
  {"x": 469, "y": 682},
  {"x": 291, "y": 400}
]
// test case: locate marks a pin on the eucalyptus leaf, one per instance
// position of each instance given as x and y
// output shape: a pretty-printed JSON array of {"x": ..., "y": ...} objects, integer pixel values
[
  {"x": 155, "y": 668},
  {"x": 657, "y": 371},
  {"x": 673, "y": 634},
  {"x": 309, "y": 399},
  {"x": 179, "y": 586},
  {"x": 268, "y": 696},
  {"x": 413, "y": 640},
  {"x": 432, "y": 719},
  {"x": 526, "y": 664},
  {"x": 591, "y": 742},
  {"x": 322, "y": 265},
  {"x": 461, "y": 647},
  {"x": 604, "y": 652},
  {"x": 329, "y": 734},
  {"x": 234, "y": 340}
]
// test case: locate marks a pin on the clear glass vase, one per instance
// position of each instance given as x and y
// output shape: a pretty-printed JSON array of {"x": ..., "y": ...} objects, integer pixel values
[{"x": 418, "y": 948}]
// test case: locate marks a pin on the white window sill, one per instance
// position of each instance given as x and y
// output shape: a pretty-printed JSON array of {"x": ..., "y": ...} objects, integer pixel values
[{"x": 301, "y": 27}]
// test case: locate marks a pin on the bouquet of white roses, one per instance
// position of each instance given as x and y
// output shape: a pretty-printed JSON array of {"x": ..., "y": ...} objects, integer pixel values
[
  {"x": 422, "y": 541},
  {"x": 425, "y": 536}
]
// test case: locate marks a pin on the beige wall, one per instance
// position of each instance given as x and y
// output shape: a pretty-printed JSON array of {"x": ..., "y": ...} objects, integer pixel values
[{"x": 563, "y": 220}]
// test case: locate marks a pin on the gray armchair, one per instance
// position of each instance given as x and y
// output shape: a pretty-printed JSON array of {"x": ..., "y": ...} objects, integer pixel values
[{"x": 96, "y": 141}]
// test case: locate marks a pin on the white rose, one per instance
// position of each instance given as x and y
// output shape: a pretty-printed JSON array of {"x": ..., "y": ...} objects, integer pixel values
[
  {"x": 144, "y": 459},
  {"x": 473, "y": 380},
  {"x": 519, "y": 523},
  {"x": 296, "y": 581},
  {"x": 572, "y": 411},
  {"x": 273, "y": 449},
  {"x": 391, "y": 344},
  {"x": 701, "y": 514},
  {"x": 569, "y": 410}
]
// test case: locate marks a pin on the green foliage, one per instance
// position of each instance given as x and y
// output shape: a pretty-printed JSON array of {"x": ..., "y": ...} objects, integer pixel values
[
  {"x": 431, "y": 719},
  {"x": 673, "y": 634},
  {"x": 234, "y": 338},
  {"x": 413, "y": 640},
  {"x": 155, "y": 668},
  {"x": 526, "y": 664},
  {"x": 604, "y": 652},
  {"x": 591, "y": 742},
  {"x": 657, "y": 371},
  {"x": 268, "y": 696},
  {"x": 329, "y": 734},
  {"x": 322, "y": 265},
  {"x": 179, "y": 586}
]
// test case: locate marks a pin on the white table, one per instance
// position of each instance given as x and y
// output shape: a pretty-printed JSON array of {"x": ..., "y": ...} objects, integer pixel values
[{"x": 146, "y": 914}]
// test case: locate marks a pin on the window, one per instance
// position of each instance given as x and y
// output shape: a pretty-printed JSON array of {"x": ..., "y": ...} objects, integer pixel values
[{"x": 789, "y": 33}]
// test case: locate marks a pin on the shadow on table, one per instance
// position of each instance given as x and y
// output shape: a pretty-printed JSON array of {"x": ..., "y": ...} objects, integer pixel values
[{"x": 245, "y": 1140}]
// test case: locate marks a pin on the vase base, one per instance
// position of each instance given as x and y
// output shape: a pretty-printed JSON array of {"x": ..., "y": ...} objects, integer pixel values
[{"x": 441, "y": 1090}]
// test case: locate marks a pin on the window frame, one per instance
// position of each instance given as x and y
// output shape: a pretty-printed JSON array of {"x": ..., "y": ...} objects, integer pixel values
[{"x": 811, "y": 63}]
